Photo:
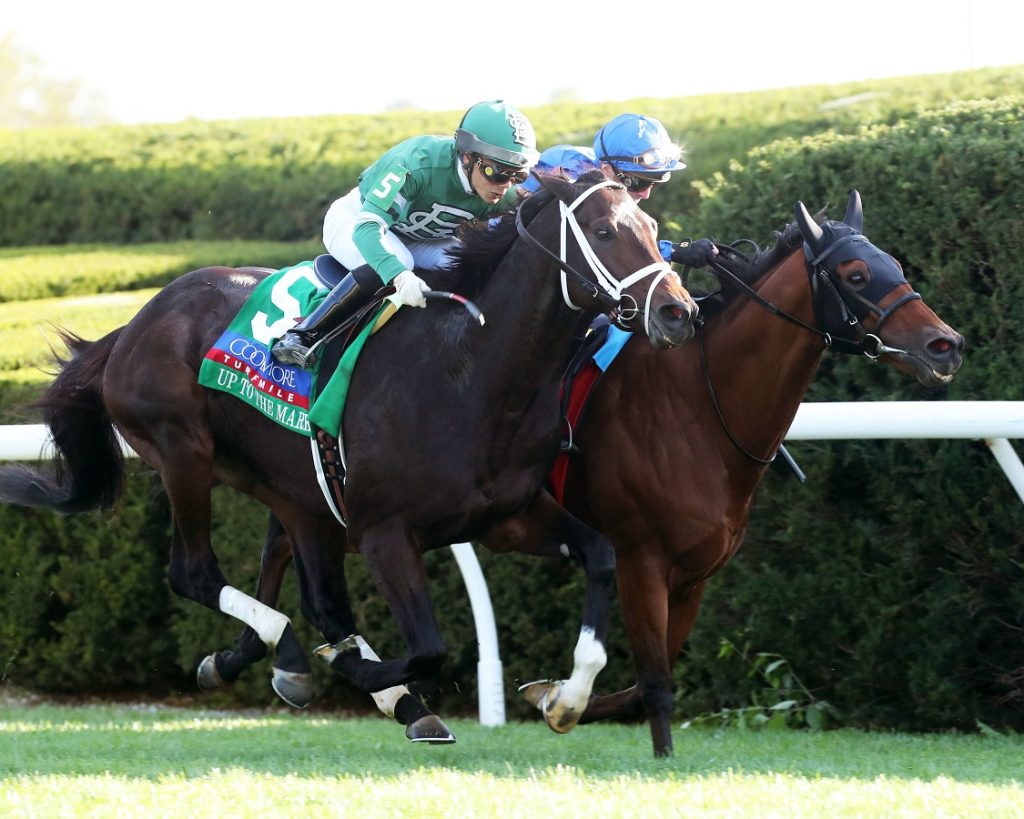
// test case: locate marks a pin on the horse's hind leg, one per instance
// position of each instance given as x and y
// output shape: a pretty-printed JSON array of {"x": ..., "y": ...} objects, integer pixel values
[
  {"x": 152, "y": 395},
  {"x": 625, "y": 704},
  {"x": 184, "y": 465},
  {"x": 548, "y": 530},
  {"x": 226, "y": 666}
]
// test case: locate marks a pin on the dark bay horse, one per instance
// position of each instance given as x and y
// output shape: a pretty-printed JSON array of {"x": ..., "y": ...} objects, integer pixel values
[
  {"x": 449, "y": 430},
  {"x": 674, "y": 445}
]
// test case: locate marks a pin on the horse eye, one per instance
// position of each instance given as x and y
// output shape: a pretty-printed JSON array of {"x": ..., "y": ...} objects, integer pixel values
[
  {"x": 858, "y": 278},
  {"x": 603, "y": 233}
]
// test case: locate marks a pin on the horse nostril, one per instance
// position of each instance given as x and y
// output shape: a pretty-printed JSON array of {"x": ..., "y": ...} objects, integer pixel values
[
  {"x": 946, "y": 345},
  {"x": 676, "y": 312}
]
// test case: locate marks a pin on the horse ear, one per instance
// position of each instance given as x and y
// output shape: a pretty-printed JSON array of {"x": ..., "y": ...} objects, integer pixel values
[
  {"x": 855, "y": 212},
  {"x": 556, "y": 184},
  {"x": 808, "y": 227}
]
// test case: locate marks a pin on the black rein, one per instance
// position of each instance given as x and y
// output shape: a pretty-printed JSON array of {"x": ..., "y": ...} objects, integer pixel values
[{"x": 590, "y": 287}]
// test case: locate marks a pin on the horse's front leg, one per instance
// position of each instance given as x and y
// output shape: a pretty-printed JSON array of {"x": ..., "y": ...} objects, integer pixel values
[
  {"x": 548, "y": 530},
  {"x": 325, "y": 603},
  {"x": 654, "y": 695},
  {"x": 644, "y": 599}
]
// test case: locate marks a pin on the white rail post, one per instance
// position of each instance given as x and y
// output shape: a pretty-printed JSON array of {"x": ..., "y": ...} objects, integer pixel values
[
  {"x": 488, "y": 670},
  {"x": 1008, "y": 459}
]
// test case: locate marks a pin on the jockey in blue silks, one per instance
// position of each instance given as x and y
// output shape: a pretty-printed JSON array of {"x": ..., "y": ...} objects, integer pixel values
[{"x": 637, "y": 152}]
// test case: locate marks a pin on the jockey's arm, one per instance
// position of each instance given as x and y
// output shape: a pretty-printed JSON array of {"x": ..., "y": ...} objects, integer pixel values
[
  {"x": 383, "y": 193},
  {"x": 368, "y": 238}
]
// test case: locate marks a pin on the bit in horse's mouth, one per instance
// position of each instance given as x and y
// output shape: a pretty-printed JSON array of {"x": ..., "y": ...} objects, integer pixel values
[{"x": 942, "y": 378}]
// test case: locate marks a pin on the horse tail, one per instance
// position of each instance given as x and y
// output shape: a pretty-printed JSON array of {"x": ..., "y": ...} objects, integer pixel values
[{"x": 88, "y": 467}]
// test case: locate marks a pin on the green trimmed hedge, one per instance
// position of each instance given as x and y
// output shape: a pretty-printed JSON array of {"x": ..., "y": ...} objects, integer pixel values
[
  {"x": 272, "y": 179},
  {"x": 28, "y": 273},
  {"x": 891, "y": 581}
]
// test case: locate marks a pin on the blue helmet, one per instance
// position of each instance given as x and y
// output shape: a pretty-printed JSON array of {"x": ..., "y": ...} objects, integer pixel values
[{"x": 631, "y": 143}]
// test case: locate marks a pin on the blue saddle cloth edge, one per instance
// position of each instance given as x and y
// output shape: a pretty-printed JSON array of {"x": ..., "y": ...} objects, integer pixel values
[{"x": 612, "y": 346}]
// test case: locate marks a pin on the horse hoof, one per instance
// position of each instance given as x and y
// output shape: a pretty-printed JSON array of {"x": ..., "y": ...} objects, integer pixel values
[
  {"x": 431, "y": 730},
  {"x": 562, "y": 721},
  {"x": 207, "y": 675},
  {"x": 536, "y": 692},
  {"x": 545, "y": 695},
  {"x": 294, "y": 688}
]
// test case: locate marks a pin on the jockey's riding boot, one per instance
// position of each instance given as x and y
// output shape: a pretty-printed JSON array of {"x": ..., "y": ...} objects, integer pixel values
[{"x": 343, "y": 301}]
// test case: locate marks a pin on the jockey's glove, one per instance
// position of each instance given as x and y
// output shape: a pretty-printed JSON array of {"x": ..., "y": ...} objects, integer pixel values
[
  {"x": 694, "y": 254},
  {"x": 409, "y": 290}
]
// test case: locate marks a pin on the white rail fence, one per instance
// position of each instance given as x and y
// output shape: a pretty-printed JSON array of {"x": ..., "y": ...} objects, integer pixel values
[{"x": 994, "y": 422}]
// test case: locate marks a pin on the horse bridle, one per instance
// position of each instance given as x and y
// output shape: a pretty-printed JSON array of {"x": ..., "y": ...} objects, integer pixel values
[
  {"x": 823, "y": 280},
  {"x": 822, "y": 276},
  {"x": 606, "y": 290}
]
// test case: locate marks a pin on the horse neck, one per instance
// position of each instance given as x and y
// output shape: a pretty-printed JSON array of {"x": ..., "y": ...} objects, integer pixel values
[
  {"x": 761, "y": 365},
  {"x": 529, "y": 326}
]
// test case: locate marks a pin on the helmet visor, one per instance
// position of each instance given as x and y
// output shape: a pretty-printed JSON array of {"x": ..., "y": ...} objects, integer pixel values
[{"x": 466, "y": 142}]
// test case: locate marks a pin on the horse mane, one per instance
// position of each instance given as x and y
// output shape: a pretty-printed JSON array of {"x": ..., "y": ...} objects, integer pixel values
[
  {"x": 785, "y": 241},
  {"x": 748, "y": 269},
  {"x": 484, "y": 242}
]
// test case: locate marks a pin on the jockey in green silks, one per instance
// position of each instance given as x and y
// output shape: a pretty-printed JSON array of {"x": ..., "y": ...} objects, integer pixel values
[{"x": 404, "y": 213}]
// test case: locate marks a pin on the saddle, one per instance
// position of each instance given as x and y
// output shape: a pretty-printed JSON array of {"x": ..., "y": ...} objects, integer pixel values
[{"x": 329, "y": 270}]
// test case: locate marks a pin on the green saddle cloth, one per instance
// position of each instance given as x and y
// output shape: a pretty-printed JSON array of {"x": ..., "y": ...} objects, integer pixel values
[{"x": 240, "y": 364}]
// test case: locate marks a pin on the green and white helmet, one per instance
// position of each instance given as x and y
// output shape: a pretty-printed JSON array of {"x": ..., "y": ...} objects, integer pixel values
[{"x": 497, "y": 131}]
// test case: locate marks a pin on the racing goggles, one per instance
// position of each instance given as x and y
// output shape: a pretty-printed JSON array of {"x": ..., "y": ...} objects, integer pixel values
[
  {"x": 653, "y": 158},
  {"x": 500, "y": 174},
  {"x": 636, "y": 182}
]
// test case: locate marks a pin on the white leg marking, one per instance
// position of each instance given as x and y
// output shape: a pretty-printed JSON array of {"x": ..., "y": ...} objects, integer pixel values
[
  {"x": 388, "y": 698},
  {"x": 267, "y": 622},
  {"x": 589, "y": 658}
]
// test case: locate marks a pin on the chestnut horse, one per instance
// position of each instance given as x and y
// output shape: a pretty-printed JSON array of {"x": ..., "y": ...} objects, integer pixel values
[
  {"x": 676, "y": 505},
  {"x": 449, "y": 431}
]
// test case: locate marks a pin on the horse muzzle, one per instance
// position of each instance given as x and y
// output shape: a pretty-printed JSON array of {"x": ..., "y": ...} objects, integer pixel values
[
  {"x": 936, "y": 362},
  {"x": 672, "y": 324}
]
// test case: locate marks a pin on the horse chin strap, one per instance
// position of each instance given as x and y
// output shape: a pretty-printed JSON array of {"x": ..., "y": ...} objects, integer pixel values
[{"x": 608, "y": 290}]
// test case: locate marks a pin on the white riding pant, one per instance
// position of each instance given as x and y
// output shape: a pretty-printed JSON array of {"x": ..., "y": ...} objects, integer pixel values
[{"x": 341, "y": 220}]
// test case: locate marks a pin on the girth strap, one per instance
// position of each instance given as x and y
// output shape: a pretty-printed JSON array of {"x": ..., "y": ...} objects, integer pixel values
[{"x": 330, "y": 472}]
